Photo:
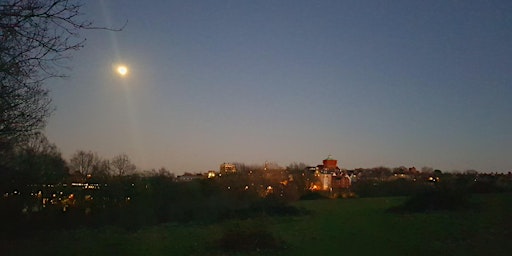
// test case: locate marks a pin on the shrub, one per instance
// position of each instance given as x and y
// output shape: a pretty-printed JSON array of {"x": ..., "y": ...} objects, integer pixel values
[
  {"x": 249, "y": 240},
  {"x": 312, "y": 196},
  {"x": 435, "y": 200}
]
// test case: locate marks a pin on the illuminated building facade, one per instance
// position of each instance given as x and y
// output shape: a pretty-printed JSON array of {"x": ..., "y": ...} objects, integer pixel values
[
  {"x": 330, "y": 176},
  {"x": 227, "y": 168},
  {"x": 190, "y": 177}
]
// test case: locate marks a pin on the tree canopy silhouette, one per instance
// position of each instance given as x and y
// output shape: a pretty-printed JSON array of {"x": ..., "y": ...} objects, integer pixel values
[{"x": 36, "y": 39}]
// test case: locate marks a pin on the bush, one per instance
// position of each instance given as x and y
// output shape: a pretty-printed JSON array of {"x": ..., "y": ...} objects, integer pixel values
[
  {"x": 313, "y": 196},
  {"x": 242, "y": 240},
  {"x": 435, "y": 200},
  {"x": 400, "y": 187},
  {"x": 262, "y": 207}
]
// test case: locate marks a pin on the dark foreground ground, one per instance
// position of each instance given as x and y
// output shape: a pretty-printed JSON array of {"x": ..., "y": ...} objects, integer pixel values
[{"x": 347, "y": 226}]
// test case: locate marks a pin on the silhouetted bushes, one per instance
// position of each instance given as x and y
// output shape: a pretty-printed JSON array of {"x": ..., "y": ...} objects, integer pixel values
[
  {"x": 399, "y": 187},
  {"x": 263, "y": 207},
  {"x": 435, "y": 200},
  {"x": 313, "y": 196},
  {"x": 490, "y": 186},
  {"x": 252, "y": 239},
  {"x": 132, "y": 203}
]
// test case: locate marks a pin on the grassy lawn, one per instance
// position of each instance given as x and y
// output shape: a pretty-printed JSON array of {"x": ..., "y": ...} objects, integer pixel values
[
  {"x": 363, "y": 227},
  {"x": 350, "y": 226}
]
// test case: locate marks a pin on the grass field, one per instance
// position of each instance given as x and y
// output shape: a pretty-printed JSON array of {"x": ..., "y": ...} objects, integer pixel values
[{"x": 350, "y": 226}]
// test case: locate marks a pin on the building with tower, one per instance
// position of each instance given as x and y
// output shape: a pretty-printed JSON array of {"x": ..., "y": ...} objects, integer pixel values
[
  {"x": 330, "y": 176},
  {"x": 329, "y": 165}
]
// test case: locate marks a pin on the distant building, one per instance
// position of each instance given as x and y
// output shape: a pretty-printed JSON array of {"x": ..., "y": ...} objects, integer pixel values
[
  {"x": 330, "y": 164},
  {"x": 311, "y": 168},
  {"x": 227, "y": 168},
  {"x": 190, "y": 177},
  {"x": 325, "y": 181},
  {"x": 341, "y": 180},
  {"x": 330, "y": 176}
]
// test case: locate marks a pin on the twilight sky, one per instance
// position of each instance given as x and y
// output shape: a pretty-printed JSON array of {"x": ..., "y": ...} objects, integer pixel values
[{"x": 414, "y": 83}]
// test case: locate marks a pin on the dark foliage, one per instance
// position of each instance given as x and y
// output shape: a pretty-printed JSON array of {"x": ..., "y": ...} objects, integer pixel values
[
  {"x": 252, "y": 240},
  {"x": 435, "y": 200},
  {"x": 313, "y": 196},
  {"x": 400, "y": 187},
  {"x": 132, "y": 202},
  {"x": 35, "y": 40},
  {"x": 263, "y": 207}
]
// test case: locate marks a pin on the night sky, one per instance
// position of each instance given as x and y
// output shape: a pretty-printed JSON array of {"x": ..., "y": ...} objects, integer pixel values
[{"x": 414, "y": 83}]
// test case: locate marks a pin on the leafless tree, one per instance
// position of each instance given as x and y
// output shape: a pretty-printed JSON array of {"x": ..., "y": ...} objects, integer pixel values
[
  {"x": 36, "y": 39},
  {"x": 36, "y": 161},
  {"x": 293, "y": 167},
  {"x": 38, "y": 143},
  {"x": 84, "y": 163},
  {"x": 101, "y": 171},
  {"x": 121, "y": 165},
  {"x": 427, "y": 169},
  {"x": 163, "y": 172}
]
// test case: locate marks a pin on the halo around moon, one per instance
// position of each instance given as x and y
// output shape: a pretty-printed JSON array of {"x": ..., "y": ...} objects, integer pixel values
[{"x": 122, "y": 70}]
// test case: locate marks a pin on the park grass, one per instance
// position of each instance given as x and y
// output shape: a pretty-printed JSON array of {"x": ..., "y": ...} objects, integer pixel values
[
  {"x": 362, "y": 226},
  {"x": 365, "y": 227}
]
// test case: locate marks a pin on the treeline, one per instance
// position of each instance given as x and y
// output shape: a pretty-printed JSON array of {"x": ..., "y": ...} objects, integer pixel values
[
  {"x": 41, "y": 191},
  {"x": 37, "y": 161},
  {"x": 134, "y": 201},
  {"x": 402, "y": 181}
]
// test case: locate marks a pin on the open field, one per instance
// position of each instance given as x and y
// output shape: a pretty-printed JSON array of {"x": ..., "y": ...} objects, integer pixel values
[{"x": 351, "y": 226}]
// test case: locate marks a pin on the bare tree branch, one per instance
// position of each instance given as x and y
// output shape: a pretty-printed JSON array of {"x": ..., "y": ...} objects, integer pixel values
[
  {"x": 121, "y": 165},
  {"x": 36, "y": 38}
]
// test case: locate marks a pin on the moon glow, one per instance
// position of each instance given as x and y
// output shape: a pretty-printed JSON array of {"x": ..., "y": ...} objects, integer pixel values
[{"x": 122, "y": 70}]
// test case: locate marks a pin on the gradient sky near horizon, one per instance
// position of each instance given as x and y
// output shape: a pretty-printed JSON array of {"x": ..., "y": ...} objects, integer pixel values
[{"x": 414, "y": 83}]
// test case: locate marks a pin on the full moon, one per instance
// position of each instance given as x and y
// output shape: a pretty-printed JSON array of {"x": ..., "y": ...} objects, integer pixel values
[{"x": 122, "y": 70}]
